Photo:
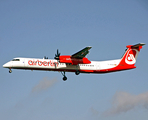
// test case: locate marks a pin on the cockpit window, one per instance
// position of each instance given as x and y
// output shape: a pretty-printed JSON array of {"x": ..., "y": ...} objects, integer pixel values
[{"x": 16, "y": 60}]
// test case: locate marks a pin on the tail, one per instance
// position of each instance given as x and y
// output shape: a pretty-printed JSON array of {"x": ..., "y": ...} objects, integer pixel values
[{"x": 129, "y": 58}]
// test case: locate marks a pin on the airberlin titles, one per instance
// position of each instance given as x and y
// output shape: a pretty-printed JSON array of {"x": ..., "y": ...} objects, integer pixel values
[{"x": 42, "y": 63}]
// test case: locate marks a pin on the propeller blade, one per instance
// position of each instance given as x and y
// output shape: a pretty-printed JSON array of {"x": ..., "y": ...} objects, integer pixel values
[
  {"x": 57, "y": 55},
  {"x": 57, "y": 51}
]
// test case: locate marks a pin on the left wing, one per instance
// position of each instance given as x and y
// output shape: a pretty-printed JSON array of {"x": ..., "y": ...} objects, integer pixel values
[{"x": 82, "y": 53}]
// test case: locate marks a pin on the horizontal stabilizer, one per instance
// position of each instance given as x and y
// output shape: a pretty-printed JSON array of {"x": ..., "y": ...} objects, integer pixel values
[{"x": 137, "y": 45}]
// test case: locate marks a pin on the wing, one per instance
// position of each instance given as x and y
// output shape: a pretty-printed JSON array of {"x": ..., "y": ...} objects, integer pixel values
[{"x": 82, "y": 53}]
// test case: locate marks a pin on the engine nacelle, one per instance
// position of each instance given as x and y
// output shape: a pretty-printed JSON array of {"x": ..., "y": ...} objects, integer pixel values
[{"x": 73, "y": 61}]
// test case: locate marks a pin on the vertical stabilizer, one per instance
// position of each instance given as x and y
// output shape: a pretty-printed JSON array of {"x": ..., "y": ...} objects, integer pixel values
[{"x": 129, "y": 58}]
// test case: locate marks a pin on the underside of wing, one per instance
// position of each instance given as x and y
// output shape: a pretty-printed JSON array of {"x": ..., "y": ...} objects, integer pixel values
[{"x": 82, "y": 53}]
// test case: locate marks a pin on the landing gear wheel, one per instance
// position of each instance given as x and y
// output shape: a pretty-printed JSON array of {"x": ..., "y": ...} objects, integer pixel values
[
  {"x": 64, "y": 78},
  {"x": 10, "y": 71},
  {"x": 77, "y": 72}
]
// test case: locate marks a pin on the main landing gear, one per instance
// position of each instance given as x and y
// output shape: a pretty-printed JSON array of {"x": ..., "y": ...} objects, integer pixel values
[
  {"x": 64, "y": 77},
  {"x": 10, "y": 71},
  {"x": 77, "y": 72}
]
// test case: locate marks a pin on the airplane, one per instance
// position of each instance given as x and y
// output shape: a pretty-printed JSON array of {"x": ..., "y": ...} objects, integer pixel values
[{"x": 77, "y": 62}]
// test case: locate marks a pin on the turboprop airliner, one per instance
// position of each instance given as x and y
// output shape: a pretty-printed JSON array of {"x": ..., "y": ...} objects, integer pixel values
[{"x": 77, "y": 62}]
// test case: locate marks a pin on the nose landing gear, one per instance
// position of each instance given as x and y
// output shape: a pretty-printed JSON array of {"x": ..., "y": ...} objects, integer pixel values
[{"x": 10, "y": 71}]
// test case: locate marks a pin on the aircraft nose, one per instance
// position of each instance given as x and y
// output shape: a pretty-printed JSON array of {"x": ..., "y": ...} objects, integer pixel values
[{"x": 6, "y": 65}]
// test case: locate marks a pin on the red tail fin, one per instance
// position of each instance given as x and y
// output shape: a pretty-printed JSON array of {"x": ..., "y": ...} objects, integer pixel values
[{"x": 129, "y": 58}]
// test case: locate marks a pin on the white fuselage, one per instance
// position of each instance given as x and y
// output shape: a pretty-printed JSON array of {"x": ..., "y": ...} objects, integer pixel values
[{"x": 54, "y": 65}]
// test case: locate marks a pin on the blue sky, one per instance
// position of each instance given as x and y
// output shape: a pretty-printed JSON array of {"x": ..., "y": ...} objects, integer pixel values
[{"x": 34, "y": 28}]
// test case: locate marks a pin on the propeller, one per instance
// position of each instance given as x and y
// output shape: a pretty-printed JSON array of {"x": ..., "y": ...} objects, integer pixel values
[{"x": 57, "y": 55}]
